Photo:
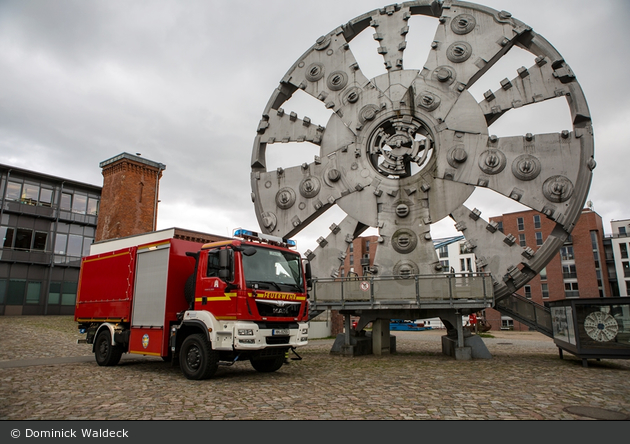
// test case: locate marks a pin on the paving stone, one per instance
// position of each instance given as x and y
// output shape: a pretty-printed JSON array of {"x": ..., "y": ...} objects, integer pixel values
[{"x": 43, "y": 379}]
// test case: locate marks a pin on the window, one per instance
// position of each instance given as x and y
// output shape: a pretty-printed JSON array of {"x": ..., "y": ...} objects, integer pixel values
[
  {"x": 528, "y": 291},
  {"x": 445, "y": 266},
  {"x": 536, "y": 221},
  {"x": 367, "y": 246},
  {"x": 443, "y": 251},
  {"x": 462, "y": 265},
  {"x": 521, "y": 240},
  {"x": 60, "y": 243},
  {"x": 545, "y": 291},
  {"x": 213, "y": 264},
  {"x": 14, "y": 190},
  {"x": 566, "y": 253},
  {"x": 16, "y": 290},
  {"x": 23, "y": 239},
  {"x": 624, "y": 250},
  {"x": 68, "y": 293},
  {"x": 500, "y": 226},
  {"x": 92, "y": 206},
  {"x": 351, "y": 247},
  {"x": 507, "y": 324},
  {"x": 30, "y": 194},
  {"x": 626, "y": 269},
  {"x": 3, "y": 290},
  {"x": 569, "y": 272},
  {"x": 622, "y": 231},
  {"x": 352, "y": 259},
  {"x": 33, "y": 291},
  {"x": 342, "y": 272},
  {"x": 75, "y": 245},
  {"x": 87, "y": 243},
  {"x": 66, "y": 202},
  {"x": 79, "y": 204},
  {"x": 469, "y": 264},
  {"x": 54, "y": 293},
  {"x": 539, "y": 238},
  {"x": 6, "y": 235},
  {"x": 521, "y": 223},
  {"x": 39, "y": 241},
  {"x": 45, "y": 197},
  {"x": 543, "y": 274},
  {"x": 571, "y": 290}
]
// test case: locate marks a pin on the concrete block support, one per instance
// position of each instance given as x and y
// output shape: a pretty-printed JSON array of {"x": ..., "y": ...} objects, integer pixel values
[{"x": 380, "y": 337}]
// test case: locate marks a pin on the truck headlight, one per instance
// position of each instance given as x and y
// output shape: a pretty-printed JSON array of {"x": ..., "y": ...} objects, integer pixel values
[
  {"x": 304, "y": 331},
  {"x": 245, "y": 332}
]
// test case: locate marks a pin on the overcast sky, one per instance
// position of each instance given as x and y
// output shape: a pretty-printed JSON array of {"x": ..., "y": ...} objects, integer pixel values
[{"x": 185, "y": 83}]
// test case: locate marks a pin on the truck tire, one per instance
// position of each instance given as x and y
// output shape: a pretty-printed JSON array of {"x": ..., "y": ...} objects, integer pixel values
[
  {"x": 105, "y": 353},
  {"x": 197, "y": 359},
  {"x": 267, "y": 365}
]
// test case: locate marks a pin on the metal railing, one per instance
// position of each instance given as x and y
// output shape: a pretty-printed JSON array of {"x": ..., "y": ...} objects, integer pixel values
[
  {"x": 448, "y": 289},
  {"x": 526, "y": 312}
]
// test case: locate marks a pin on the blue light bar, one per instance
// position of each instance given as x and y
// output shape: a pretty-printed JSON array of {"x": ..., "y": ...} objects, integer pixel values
[{"x": 240, "y": 232}]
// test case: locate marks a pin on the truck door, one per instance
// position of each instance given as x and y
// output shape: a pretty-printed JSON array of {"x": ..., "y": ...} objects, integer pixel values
[{"x": 213, "y": 293}]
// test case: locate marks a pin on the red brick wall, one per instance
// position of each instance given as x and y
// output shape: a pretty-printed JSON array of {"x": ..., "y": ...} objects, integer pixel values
[
  {"x": 582, "y": 250},
  {"x": 128, "y": 200}
]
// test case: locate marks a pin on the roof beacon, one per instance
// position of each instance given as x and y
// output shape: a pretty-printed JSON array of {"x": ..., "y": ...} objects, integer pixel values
[{"x": 259, "y": 237}]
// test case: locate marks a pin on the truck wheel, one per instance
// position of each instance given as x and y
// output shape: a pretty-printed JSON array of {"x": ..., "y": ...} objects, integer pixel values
[
  {"x": 105, "y": 353},
  {"x": 197, "y": 359},
  {"x": 267, "y": 365}
]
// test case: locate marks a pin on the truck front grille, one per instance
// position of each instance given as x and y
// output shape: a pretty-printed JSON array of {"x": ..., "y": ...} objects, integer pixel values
[
  {"x": 277, "y": 340},
  {"x": 278, "y": 311}
]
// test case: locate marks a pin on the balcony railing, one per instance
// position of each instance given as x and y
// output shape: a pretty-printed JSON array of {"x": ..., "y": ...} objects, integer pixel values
[
  {"x": 569, "y": 275},
  {"x": 412, "y": 291},
  {"x": 571, "y": 294}
]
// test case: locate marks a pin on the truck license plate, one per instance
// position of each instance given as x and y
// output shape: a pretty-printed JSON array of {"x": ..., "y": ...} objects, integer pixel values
[{"x": 280, "y": 332}]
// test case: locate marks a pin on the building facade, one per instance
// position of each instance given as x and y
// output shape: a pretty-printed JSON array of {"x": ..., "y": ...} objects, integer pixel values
[
  {"x": 617, "y": 246},
  {"x": 579, "y": 270},
  {"x": 47, "y": 224}
]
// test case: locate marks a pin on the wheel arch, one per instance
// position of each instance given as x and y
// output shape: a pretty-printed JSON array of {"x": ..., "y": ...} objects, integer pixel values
[{"x": 104, "y": 326}]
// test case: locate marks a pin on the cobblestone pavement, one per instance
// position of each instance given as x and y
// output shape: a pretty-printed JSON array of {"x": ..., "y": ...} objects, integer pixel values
[{"x": 525, "y": 380}]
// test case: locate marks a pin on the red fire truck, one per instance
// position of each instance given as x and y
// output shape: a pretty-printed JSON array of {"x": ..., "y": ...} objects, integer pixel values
[{"x": 205, "y": 305}]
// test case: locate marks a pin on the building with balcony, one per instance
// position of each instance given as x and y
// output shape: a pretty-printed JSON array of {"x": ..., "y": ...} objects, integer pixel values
[
  {"x": 616, "y": 248},
  {"x": 47, "y": 224},
  {"x": 579, "y": 270}
]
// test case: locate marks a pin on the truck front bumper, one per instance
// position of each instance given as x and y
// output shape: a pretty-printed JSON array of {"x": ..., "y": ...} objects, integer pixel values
[{"x": 249, "y": 336}]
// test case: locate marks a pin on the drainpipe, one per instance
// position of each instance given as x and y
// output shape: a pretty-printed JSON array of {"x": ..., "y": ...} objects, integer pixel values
[
  {"x": 161, "y": 168},
  {"x": 4, "y": 193},
  {"x": 52, "y": 254}
]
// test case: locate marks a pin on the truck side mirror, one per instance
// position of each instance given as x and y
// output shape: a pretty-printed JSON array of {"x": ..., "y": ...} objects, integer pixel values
[{"x": 309, "y": 275}]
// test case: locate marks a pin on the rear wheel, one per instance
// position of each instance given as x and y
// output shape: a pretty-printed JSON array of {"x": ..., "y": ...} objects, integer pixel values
[
  {"x": 106, "y": 354},
  {"x": 197, "y": 359},
  {"x": 267, "y": 365}
]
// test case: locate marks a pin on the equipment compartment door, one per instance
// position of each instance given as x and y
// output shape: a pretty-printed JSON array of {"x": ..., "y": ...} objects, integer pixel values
[{"x": 151, "y": 277}]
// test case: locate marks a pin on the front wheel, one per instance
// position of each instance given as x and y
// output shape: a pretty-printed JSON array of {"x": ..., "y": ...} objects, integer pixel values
[
  {"x": 267, "y": 365},
  {"x": 197, "y": 359},
  {"x": 106, "y": 354}
]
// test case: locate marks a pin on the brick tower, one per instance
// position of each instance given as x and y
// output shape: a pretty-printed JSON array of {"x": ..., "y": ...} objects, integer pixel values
[{"x": 129, "y": 197}]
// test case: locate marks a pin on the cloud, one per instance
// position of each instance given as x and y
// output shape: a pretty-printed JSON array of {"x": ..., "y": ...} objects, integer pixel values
[{"x": 185, "y": 83}]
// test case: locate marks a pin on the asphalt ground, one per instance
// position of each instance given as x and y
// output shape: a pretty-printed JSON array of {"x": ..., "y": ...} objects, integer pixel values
[{"x": 46, "y": 375}]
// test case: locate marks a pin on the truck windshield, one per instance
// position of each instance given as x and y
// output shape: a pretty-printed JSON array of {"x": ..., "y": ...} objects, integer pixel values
[{"x": 273, "y": 269}]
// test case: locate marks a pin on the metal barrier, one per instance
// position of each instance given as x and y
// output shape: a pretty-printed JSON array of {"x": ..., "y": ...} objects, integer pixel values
[
  {"x": 443, "y": 290},
  {"x": 527, "y": 312}
]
